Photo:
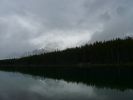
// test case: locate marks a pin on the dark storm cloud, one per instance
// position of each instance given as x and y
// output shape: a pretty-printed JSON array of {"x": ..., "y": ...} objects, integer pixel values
[{"x": 32, "y": 24}]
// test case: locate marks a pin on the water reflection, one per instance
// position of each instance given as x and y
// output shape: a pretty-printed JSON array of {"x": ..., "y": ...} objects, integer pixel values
[{"x": 16, "y": 86}]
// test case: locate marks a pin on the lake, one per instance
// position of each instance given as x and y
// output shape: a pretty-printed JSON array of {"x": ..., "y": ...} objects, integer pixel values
[{"x": 18, "y": 86}]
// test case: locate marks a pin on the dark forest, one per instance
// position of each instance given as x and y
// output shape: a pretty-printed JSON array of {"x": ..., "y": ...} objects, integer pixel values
[{"x": 117, "y": 51}]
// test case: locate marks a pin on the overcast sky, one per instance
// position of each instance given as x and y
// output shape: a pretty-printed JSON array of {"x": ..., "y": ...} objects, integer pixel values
[{"x": 26, "y": 25}]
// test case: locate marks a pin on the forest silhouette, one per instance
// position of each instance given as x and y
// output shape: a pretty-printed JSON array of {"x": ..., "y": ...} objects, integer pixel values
[{"x": 116, "y": 51}]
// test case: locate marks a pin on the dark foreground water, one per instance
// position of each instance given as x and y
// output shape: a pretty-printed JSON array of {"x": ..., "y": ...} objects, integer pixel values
[{"x": 17, "y": 86}]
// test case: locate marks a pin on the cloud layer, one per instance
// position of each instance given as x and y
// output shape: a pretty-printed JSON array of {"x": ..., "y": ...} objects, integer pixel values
[{"x": 32, "y": 24}]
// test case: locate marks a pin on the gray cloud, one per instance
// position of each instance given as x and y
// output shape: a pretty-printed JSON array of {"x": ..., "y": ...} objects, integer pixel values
[{"x": 32, "y": 24}]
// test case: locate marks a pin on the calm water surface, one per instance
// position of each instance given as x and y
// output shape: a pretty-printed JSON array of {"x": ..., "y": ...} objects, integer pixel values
[{"x": 16, "y": 86}]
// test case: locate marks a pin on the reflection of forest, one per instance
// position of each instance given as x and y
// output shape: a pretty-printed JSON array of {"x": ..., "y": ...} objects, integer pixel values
[{"x": 100, "y": 77}]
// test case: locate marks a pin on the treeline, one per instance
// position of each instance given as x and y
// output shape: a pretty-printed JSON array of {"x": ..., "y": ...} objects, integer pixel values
[{"x": 117, "y": 51}]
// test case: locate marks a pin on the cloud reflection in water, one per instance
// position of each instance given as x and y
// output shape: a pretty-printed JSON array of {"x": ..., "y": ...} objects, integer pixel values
[{"x": 15, "y": 86}]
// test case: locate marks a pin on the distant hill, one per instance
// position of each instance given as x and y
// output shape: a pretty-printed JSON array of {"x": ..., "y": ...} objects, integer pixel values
[{"x": 117, "y": 51}]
